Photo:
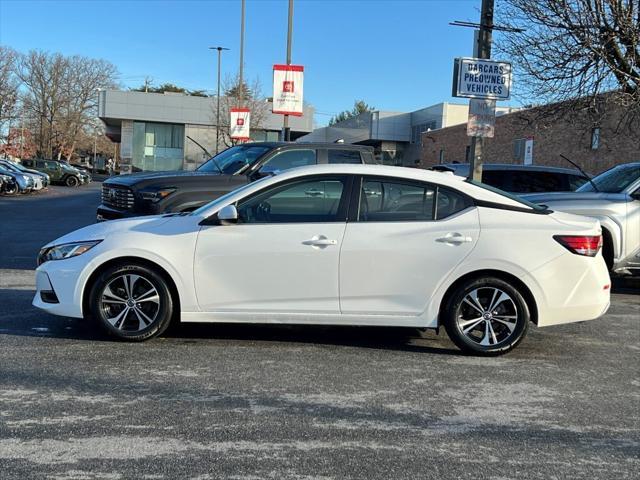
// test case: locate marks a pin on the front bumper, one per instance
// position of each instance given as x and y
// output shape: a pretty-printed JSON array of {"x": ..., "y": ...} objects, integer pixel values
[
  {"x": 56, "y": 289},
  {"x": 104, "y": 213}
]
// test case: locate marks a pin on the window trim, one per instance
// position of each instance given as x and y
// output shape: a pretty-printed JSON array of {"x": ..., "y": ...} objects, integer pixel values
[
  {"x": 343, "y": 206},
  {"x": 354, "y": 204}
]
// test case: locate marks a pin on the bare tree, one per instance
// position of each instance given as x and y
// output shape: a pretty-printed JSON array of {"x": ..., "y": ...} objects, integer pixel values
[
  {"x": 253, "y": 99},
  {"x": 9, "y": 85},
  {"x": 60, "y": 97},
  {"x": 583, "y": 54}
]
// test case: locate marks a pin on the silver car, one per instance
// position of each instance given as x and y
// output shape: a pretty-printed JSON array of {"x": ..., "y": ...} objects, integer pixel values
[{"x": 613, "y": 197}]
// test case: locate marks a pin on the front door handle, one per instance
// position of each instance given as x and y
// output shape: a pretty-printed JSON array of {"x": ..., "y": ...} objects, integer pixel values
[
  {"x": 314, "y": 193},
  {"x": 320, "y": 241},
  {"x": 454, "y": 238}
]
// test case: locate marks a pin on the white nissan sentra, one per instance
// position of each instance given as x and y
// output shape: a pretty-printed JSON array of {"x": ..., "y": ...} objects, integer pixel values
[{"x": 337, "y": 245}]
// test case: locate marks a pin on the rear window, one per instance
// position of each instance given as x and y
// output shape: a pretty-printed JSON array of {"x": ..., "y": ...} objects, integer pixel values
[
  {"x": 534, "y": 182},
  {"x": 343, "y": 156}
]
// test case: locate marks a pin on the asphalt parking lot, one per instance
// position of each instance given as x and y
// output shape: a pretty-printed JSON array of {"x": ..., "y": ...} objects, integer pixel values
[{"x": 253, "y": 402}]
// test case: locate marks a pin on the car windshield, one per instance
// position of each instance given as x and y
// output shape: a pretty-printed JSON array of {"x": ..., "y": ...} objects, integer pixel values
[
  {"x": 223, "y": 199},
  {"x": 9, "y": 166},
  {"x": 614, "y": 180},
  {"x": 233, "y": 159},
  {"x": 526, "y": 203}
]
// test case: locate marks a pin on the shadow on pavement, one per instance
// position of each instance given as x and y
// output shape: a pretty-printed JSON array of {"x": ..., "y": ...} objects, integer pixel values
[{"x": 626, "y": 285}]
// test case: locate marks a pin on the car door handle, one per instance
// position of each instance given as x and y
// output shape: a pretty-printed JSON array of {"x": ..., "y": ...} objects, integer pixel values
[
  {"x": 314, "y": 193},
  {"x": 320, "y": 241},
  {"x": 454, "y": 239}
]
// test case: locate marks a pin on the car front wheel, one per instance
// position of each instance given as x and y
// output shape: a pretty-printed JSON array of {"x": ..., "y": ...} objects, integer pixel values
[
  {"x": 71, "y": 181},
  {"x": 486, "y": 316},
  {"x": 132, "y": 302}
]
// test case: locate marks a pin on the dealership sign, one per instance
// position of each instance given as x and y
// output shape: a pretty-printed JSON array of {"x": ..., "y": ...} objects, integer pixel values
[
  {"x": 482, "y": 118},
  {"x": 239, "y": 124},
  {"x": 287, "y": 89},
  {"x": 483, "y": 79}
]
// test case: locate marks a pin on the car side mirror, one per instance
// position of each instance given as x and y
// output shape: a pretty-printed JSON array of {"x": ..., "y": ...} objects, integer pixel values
[{"x": 227, "y": 215}]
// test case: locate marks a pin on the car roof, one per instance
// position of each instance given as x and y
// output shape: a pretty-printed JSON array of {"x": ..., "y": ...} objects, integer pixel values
[
  {"x": 308, "y": 144},
  {"x": 512, "y": 166},
  {"x": 401, "y": 173}
]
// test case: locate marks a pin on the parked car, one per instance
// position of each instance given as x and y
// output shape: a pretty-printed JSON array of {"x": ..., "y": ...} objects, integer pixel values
[
  {"x": 85, "y": 175},
  {"x": 24, "y": 182},
  {"x": 57, "y": 171},
  {"x": 8, "y": 185},
  {"x": 38, "y": 178},
  {"x": 613, "y": 197},
  {"x": 522, "y": 178},
  {"x": 46, "y": 180},
  {"x": 162, "y": 192},
  {"x": 337, "y": 244}
]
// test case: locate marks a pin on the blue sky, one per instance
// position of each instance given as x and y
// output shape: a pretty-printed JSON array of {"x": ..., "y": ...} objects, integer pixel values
[{"x": 396, "y": 55}]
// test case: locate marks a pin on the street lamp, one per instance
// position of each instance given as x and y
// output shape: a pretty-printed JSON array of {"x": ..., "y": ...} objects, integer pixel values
[{"x": 219, "y": 49}]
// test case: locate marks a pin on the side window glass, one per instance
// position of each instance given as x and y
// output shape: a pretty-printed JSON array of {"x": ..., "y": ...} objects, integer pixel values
[
  {"x": 388, "y": 201},
  {"x": 290, "y": 159},
  {"x": 497, "y": 178},
  {"x": 524, "y": 182},
  {"x": 311, "y": 201},
  {"x": 576, "y": 182},
  {"x": 449, "y": 203},
  {"x": 40, "y": 164},
  {"x": 51, "y": 165},
  {"x": 343, "y": 156}
]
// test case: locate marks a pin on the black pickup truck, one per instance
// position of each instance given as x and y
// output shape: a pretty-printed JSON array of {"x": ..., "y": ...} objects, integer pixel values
[{"x": 182, "y": 191}]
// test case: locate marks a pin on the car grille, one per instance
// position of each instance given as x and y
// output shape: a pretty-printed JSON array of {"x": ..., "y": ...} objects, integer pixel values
[{"x": 117, "y": 197}]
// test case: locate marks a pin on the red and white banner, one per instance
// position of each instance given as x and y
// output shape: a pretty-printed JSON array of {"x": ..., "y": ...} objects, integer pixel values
[
  {"x": 287, "y": 89},
  {"x": 239, "y": 124}
]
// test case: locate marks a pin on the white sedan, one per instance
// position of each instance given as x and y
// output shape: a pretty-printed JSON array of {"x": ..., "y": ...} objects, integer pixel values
[{"x": 337, "y": 245}]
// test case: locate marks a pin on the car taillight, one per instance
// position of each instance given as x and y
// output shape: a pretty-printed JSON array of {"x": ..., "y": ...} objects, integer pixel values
[{"x": 587, "y": 245}]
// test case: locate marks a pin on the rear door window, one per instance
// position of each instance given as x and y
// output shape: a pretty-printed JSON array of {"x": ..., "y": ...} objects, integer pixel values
[
  {"x": 498, "y": 179},
  {"x": 290, "y": 159},
  {"x": 395, "y": 201},
  {"x": 343, "y": 156}
]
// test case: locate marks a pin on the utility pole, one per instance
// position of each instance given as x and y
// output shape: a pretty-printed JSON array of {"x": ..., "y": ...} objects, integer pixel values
[
  {"x": 286, "y": 129},
  {"x": 219, "y": 49},
  {"x": 482, "y": 50},
  {"x": 240, "y": 82}
]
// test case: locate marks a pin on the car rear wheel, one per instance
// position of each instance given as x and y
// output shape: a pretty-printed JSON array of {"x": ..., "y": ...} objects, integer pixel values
[
  {"x": 11, "y": 189},
  {"x": 71, "y": 181},
  {"x": 132, "y": 302},
  {"x": 486, "y": 316}
]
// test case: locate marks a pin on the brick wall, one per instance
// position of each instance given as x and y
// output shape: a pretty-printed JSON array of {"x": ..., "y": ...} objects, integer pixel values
[{"x": 570, "y": 136}]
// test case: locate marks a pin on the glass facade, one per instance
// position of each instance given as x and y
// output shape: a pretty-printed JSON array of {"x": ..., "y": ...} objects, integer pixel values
[{"x": 157, "y": 146}]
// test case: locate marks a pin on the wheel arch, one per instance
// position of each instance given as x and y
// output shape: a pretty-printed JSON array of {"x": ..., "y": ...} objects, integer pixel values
[
  {"x": 508, "y": 277},
  {"x": 175, "y": 296}
]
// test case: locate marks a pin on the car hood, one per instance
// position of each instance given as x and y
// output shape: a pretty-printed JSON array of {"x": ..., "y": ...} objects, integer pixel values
[
  {"x": 100, "y": 231},
  {"x": 546, "y": 198},
  {"x": 153, "y": 177}
]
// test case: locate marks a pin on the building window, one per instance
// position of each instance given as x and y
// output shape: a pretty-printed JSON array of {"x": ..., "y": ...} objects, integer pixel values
[
  {"x": 441, "y": 156},
  {"x": 518, "y": 149},
  {"x": 418, "y": 130},
  {"x": 157, "y": 146},
  {"x": 467, "y": 153},
  {"x": 595, "y": 138}
]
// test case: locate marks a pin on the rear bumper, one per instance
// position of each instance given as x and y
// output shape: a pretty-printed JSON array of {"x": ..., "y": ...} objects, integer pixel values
[{"x": 575, "y": 289}]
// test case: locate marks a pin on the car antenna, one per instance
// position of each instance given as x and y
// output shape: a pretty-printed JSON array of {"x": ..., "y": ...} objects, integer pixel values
[{"x": 582, "y": 172}]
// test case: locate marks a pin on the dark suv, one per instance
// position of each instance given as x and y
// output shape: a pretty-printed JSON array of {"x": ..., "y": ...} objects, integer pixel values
[
  {"x": 153, "y": 193},
  {"x": 522, "y": 178}
]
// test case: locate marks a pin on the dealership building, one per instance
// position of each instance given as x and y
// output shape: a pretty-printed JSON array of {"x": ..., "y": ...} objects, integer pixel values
[
  {"x": 171, "y": 131},
  {"x": 395, "y": 136}
]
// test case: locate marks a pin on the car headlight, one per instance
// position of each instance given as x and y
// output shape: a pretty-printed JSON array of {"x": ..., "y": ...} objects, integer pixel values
[
  {"x": 65, "y": 250},
  {"x": 156, "y": 195}
]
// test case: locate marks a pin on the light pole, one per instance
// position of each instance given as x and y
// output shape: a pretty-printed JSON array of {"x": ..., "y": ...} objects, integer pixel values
[
  {"x": 241, "y": 83},
  {"x": 219, "y": 49},
  {"x": 287, "y": 130}
]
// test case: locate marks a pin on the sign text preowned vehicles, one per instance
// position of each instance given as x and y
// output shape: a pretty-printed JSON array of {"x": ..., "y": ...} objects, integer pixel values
[
  {"x": 483, "y": 79},
  {"x": 288, "y": 89}
]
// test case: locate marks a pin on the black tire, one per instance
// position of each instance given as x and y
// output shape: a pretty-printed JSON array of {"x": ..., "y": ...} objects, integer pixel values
[
  {"x": 11, "y": 190},
  {"x": 123, "y": 287},
  {"x": 478, "y": 329},
  {"x": 71, "y": 181}
]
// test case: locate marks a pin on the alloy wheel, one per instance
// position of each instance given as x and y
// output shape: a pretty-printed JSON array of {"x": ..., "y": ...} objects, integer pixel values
[
  {"x": 130, "y": 302},
  {"x": 487, "y": 316}
]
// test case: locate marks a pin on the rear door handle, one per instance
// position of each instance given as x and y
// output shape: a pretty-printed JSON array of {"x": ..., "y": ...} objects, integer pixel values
[
  {"x": 320, "y": 241},
  {"x": 454, "y": 238},
  {"x": 314, "y": 193}
]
